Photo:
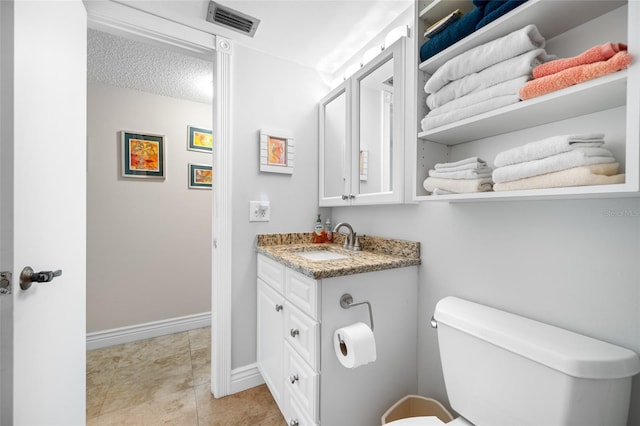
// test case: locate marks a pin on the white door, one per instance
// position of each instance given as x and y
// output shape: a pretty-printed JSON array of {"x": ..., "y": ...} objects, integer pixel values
[{"x": 42, "y": 201}]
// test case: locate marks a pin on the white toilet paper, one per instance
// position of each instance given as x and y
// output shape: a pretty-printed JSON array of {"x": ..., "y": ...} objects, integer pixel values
[{"x": 354, "y": 345}]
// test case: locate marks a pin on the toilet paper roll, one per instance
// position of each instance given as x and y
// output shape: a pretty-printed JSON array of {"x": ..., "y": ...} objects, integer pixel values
[{"x": 354, "y": 345}]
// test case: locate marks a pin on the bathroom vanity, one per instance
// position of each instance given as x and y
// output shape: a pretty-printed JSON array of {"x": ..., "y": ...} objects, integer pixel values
[{"x": 299, "y": 310}]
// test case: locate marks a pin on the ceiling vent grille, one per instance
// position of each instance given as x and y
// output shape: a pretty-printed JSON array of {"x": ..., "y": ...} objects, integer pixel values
[{"x": 232, "y": 19}]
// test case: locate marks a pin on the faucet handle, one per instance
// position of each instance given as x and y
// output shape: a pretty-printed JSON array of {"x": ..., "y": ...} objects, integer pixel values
[{"x": 347, "y": 242}]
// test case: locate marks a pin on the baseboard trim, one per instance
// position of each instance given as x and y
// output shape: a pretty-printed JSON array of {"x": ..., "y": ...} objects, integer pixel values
[
  {"x": 245, "y": 377},
  {"x": 118, "y": 336}
]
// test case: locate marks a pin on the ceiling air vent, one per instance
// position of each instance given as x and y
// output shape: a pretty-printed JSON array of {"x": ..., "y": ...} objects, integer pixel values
[{"x": 232, "y": 19}]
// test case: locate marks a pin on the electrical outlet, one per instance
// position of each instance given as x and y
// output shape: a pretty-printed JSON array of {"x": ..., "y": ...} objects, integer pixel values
[{"x": 259, "y": 211}]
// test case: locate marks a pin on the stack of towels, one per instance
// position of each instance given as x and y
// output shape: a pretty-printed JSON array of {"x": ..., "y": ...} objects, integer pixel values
[
  {"x": 484, "y": 78},
  {"x": 464, "y": 176},
  {"x": 561, "y": 73},
  {"x": 454, "y": 30},
  {"x": 557, "y": 161}
]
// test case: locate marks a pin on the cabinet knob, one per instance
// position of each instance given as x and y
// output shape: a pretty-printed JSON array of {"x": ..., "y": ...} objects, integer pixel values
[
  {"x": 351, "y": 196},
  {"x": 293, "y": 378},
  {"x": 345, "y": 197},
  {"x": 278, "y": 308},
  {"x": 294, "y": 422},
  {"x": 294, "y": 333}
]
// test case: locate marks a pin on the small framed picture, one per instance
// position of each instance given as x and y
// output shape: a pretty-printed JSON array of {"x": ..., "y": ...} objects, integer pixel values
[
  {"x": 200, "y": 139},
  {"x": 277, "y": 151},
  {"x": 142, "y": 155},
  {"x": 200, "y": 176}
]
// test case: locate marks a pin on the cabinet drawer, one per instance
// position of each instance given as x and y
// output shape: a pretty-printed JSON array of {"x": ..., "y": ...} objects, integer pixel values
[
  {"x": 301, "y": 382},
  {"x": 295, "y": 413},
  {"x": 303, "y": 292},
  {"x": 302, "y": 334},
  {"x": 271, "y": 272}
]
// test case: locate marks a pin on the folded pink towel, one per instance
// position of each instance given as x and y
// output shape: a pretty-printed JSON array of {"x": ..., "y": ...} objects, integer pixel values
[
  {"x": 594, "y": 54},
  {"x": 574, "y": 75}
]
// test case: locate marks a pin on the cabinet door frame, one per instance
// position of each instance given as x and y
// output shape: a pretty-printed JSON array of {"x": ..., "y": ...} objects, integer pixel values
[
  {"x": 395, "y": 52},
  {"x": 339, "y": 199},
  {"x": 269, "y": 316}
]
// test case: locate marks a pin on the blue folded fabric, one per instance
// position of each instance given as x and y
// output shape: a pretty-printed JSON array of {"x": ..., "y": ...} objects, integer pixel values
[
  {"x": 495, "y": 9},
  {"x": 452, "y": 34}
]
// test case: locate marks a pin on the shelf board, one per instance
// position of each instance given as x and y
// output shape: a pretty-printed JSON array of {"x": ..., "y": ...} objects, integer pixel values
[
  {"x": 552, "y": 17},
  {"x": 438, "y": 9},
  {"x": 592, "y": 96},
  {"x": 577, "y": 192}
]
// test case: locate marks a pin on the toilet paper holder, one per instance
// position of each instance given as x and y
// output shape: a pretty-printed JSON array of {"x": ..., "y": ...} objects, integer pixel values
[{"x": 346, "y": 301}]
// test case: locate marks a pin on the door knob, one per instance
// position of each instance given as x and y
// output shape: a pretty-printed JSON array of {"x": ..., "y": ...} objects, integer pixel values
[{"x": 28, "y": 277}]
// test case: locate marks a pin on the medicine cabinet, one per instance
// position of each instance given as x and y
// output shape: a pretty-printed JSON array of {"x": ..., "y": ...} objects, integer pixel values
[{"x": 361, "y": 154}]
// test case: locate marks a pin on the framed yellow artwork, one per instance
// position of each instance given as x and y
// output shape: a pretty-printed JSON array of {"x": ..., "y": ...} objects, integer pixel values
[{"x": 200, "y": 139}]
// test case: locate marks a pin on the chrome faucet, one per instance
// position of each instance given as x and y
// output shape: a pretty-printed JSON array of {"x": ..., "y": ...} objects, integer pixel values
[{"x": 351, "y": 241}]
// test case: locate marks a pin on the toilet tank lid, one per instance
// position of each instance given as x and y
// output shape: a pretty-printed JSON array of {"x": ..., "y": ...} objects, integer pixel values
[{"x": 568, "y": 352}]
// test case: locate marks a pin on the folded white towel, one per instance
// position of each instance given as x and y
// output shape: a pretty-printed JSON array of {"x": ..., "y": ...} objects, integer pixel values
[
  {"x": 462, "y": 174},
  {"x": 464, "y": 164},
  {"x": 429, "y": 122},
  {"x": 565, "y": 160},
  {"x": 597, "y": 174},
  {"x": 546, "y": 147},
  {"x": 509, "y": 87},
  {"x": 518, "y": 66},
  {"x": 485, "y": 55},
  {"x": 459, "y": 186}
]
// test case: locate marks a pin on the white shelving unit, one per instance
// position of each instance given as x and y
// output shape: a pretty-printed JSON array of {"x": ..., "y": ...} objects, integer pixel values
[{"x": 610, "y": 104}]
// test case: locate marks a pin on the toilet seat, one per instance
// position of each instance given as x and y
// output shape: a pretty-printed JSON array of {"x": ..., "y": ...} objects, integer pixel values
[{"x": 429, "y": 421}]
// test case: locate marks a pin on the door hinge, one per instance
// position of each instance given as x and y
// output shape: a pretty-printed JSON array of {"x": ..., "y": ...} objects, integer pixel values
[{"x": 5, "y": 282}]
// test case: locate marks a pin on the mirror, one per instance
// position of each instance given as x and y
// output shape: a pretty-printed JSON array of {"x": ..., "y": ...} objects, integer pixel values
[
  {"x": 376, "y": 96},
  {"x": 334, "y": 133},
  {"x": 362, "y": 134}
]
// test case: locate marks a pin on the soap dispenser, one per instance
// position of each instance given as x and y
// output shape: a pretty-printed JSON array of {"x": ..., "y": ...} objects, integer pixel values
[
  {"x": 328, "y": 231},
  {"x": 319, "y": 236}
]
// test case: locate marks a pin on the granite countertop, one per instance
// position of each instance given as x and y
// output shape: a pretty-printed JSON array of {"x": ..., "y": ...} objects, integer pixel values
[{"x": 377, "y": 254}]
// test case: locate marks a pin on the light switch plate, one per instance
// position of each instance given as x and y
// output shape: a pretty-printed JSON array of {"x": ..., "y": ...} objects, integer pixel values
[{"x": 259, "y": 211}]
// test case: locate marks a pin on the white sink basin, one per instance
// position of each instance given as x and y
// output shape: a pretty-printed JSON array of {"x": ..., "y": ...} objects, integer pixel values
[{"x": 320, "y": 255}]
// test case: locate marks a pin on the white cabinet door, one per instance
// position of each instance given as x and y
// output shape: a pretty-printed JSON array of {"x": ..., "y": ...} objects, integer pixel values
[{"x": 270, "y": 341}]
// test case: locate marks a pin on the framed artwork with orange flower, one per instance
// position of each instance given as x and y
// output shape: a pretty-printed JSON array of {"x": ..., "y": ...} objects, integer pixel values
[
  {"x": 200, "y": 139},
  {"x": 200, "y": 176},
  {"x": 142, "y": 155},
  {"x": 277, "y": 151}
]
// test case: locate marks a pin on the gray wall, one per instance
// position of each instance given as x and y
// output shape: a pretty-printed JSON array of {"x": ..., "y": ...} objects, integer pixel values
[
  {"x": 268, "y": 92},
  {"x": 148, "y": 241},
  {"x": 570, "y": 263}
]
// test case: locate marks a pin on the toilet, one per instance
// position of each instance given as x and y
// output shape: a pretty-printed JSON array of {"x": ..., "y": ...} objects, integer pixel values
[{"x": 504, "y": 369}]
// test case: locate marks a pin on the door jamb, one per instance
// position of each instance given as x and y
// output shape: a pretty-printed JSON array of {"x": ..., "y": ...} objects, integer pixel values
[{"x": 116, "y": 18}]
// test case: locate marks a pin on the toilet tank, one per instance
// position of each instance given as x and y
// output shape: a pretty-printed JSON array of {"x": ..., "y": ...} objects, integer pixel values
[{"x": 504, "y": 369}]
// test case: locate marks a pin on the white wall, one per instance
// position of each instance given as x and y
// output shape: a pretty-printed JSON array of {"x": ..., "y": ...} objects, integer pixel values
[
  {"x": 268, "y": 92},
  {"x": 570, "y": 263},
  {"x": 148, "y": 241}
]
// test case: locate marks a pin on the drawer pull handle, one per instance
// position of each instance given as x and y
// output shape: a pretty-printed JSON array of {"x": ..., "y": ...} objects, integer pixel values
[
  {"x": 293, "y": 378},
  {"x": 278, "y": 308},
  {"x": 294, "y": 422},
  {"x": 294, "y": 333}
]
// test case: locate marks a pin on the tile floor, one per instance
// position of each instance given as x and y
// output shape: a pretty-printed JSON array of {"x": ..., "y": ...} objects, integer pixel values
[{"x": 166, "y": 380}]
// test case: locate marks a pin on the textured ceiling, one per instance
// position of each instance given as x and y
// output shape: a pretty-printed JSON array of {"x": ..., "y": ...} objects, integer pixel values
[
  {"x": 320, "y": 34},
  {"x": 135, "y": 65}
]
